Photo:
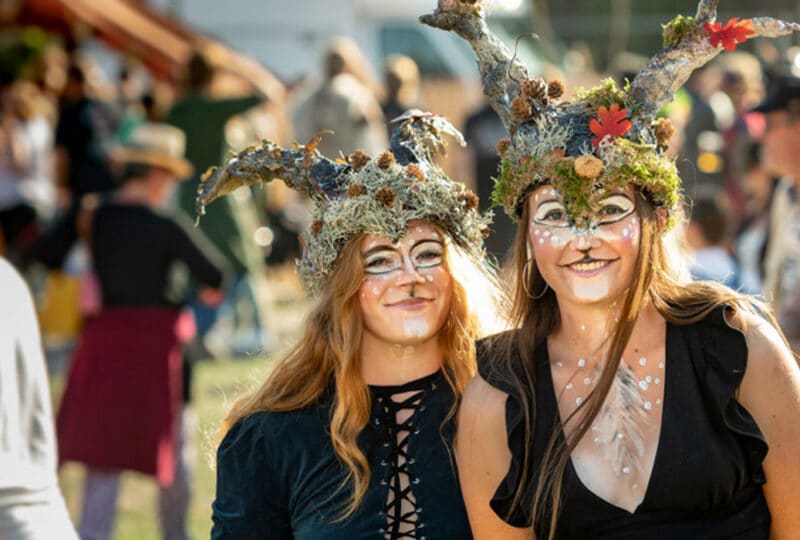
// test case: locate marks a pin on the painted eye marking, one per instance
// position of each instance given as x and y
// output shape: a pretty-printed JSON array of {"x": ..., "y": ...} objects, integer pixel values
[
  {"x": 551, "y": 213},
  {"x": 427, "y": 254},
  {"x": 384, "y": 260},
  {"x": 615, "y": 208}
]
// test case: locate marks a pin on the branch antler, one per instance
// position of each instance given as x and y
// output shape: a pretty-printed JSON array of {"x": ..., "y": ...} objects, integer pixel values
[
  {"x": 499, "y": 70},
  {"x": 656, "y": 83},
  {"x": 303, "y": 169}
]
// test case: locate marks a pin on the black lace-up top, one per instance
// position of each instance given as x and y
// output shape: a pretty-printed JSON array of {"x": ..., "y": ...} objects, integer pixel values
[{"x": 278, "y": 476}]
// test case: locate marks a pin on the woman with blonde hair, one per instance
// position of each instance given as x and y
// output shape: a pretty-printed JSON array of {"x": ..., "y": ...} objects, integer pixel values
[
  {"x": 349, "y": 436},
  {"x": 628, "y": 403}
]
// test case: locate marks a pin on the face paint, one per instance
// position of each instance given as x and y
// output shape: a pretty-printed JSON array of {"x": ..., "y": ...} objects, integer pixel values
[
  {"x": 415, "y": 328},
  {"x": 586, "y": 265},
  {"x": 405, "y": 299}
]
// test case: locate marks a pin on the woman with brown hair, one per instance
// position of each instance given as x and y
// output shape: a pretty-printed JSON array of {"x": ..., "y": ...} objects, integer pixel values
[
  {"x": 349, "y": 436},
  {"x": 628, "y": 402}
]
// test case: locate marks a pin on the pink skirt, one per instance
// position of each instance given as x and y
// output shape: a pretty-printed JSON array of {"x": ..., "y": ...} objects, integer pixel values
[{"x": 123, "y": 395}]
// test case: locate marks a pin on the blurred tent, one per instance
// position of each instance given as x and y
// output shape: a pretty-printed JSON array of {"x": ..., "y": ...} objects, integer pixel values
[{"x": 163, "y": 44}]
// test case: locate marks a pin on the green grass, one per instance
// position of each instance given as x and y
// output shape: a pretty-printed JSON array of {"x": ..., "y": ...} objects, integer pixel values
[{"x": 216, "y": 385}]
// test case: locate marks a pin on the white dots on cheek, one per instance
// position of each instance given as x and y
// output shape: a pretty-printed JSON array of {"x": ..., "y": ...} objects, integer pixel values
[{"x": 557, "y": 241}]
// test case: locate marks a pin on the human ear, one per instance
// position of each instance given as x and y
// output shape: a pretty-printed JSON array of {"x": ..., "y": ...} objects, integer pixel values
[{"x": 661, "y": 215}]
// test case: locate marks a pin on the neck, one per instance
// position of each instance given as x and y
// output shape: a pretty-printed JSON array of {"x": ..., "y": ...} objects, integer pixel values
[
  {"x": 588, "y": 327},
  {"x": 390, "y": 364},
  {"x": 136, "y": 192},
  {"x": 586, "y": 332}
]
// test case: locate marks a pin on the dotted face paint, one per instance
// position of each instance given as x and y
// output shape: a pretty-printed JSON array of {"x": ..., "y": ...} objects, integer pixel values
[
  {"x": 405, "y": 297},
  {"x": 589, "y": 264}
]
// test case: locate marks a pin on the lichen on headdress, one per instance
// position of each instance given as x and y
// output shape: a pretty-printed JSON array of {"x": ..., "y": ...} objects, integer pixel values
[
  {"x": 358, "y": 194},
  {"x": 606, "y": 137}
]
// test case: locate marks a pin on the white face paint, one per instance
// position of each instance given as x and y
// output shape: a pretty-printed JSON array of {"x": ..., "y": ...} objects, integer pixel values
[
  {"x": 405, "y": 298},
  {"x": 415, "y": 327},
  {"x": 585, "y": 265}
]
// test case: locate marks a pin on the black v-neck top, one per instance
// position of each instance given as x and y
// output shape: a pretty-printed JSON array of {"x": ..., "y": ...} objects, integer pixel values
[
  {"x": 278, "y": 477},
  {"x": 707, "y": 476}
]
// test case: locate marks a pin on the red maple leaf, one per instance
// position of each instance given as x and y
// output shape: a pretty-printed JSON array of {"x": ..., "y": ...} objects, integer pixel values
[
  {"x": 612, "y": 122},
  {"x": 734, "y": 32}
]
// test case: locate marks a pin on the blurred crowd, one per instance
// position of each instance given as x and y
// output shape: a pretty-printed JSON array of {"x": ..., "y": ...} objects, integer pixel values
[{"x": 63, "y": 118}]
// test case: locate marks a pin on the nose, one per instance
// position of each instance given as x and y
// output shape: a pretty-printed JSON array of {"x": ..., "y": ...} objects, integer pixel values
[
  {"x": 585, "y": 240},
  {"x": 409, "y": 273}
]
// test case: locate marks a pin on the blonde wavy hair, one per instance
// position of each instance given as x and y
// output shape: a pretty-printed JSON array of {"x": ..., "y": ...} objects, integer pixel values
[
  {"x": 330, "y": 349},
  {"x": 657, "y": 279}
]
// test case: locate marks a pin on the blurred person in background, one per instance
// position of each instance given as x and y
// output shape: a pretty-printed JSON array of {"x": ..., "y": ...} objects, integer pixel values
[
  {"x": 122, "y": 406},
  {"x": 779, "y": 154},
  {"x": 741, "y": 83},
  {"x": 708, "y": 236},
  {"x": 347, "y": 102},
  {"x": 203, "y": 118},
  {"x": 482, "y": 131},
  {"x": 401, "y": 76},
  {"x": 750, "y": 244},
  {"x": 31, "y": 505},
  {"x": 27, "y": 191},
  {"x": 84, "y": 133}
]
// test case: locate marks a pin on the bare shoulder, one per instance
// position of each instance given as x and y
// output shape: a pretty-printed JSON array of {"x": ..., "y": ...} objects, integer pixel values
[
  {"x": 481, "y": 419},
  {"x": 771, "y": 385},
  {"x": 770, "y": 391},
  {"x": 767, "y": 353},
  {"x": 483, "y": 398},
  {"x": 484, "y": 458}
]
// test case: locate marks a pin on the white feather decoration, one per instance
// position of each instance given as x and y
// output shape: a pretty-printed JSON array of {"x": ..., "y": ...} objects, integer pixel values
[{"x": 618, "y": 426}]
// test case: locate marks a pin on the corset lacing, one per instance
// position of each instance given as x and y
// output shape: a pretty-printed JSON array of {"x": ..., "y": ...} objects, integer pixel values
[{"x": 398, "y": 410}]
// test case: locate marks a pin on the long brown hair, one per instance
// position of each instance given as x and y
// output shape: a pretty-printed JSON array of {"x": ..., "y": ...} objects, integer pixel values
[
  {"x": 330, "y": 349},
  {"x": 656, "y": 280}
]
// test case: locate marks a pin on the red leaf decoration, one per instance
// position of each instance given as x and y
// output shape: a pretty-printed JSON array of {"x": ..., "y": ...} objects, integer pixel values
[
  {"x": 612, "y": 122},
  {"x": 734, "y": 32}
]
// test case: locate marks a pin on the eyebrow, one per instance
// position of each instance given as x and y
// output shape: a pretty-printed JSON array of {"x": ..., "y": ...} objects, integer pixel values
[
  {"x": 546, "y": 201},
  {"x": 385, "y": 247}
]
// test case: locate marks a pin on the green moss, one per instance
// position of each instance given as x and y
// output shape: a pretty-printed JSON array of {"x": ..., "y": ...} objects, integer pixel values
[
  {"x": 605, "y": 94},
  {"x": 677, "y": 29}
]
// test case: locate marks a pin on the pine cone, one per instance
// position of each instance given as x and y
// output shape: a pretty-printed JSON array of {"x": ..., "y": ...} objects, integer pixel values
[
  {"x": 385, "y": 160},
  {"x": 555, "y": 89},
  {"x": 415, "y": 172},
  {"x": 664, "y": 130},
  {"x": 502, "y": 146},
  {"x": 358, "y": 159},
  {"x": 316, "y": 227},
  {"x": 534, "y": 88},
  {"x": 385, "y": 196},
  {"x": 521, "y": 108},
  {"x": 356, "y": 189},
  {"x": 469, "y": 200}
]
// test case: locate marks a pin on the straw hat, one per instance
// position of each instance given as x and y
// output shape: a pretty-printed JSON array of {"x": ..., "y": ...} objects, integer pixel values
[{"x": 156, "y": 144}]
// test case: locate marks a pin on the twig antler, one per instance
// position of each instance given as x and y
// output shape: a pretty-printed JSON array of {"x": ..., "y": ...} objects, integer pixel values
[
  {"x": 656, "y": 83},
  {"x": 302, "y": 168},
  {"x": 499, "y": 70}
]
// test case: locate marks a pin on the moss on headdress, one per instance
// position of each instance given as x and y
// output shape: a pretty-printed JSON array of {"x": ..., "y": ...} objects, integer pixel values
[
  {"x": 383, "y": 200},
  {"x": 557, "y": 148},
  {"x": 677, "y": 29}
]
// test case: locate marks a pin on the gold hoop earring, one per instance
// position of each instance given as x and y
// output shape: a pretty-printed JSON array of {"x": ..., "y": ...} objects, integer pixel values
[{"x": 526, "y": 270}]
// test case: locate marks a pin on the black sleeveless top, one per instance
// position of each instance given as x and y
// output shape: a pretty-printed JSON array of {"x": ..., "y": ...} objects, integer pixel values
[
  {"x": 278, "y": 477},
  {"x": 707, "y": 477}
]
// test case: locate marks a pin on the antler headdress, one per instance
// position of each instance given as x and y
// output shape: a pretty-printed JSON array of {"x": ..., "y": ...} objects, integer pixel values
[
  {"x": 605, "y": 137},
  {"x": 359, "y": 194}
]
